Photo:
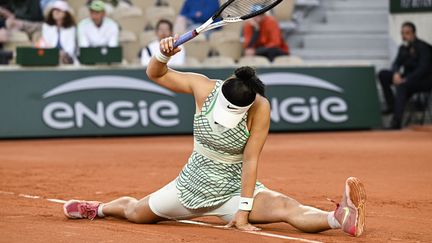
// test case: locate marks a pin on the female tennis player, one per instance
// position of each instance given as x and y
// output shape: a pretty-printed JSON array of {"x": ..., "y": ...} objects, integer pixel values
[{"x": 230, "y": 128}]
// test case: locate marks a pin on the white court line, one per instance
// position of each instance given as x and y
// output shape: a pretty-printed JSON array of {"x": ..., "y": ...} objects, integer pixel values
[
  {"x": 261, "y": 233},
  {"x": 251, "y": 232}
]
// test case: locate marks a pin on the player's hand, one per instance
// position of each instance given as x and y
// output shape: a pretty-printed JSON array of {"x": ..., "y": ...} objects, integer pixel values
[
  {"x": 240, "y": 221},
  {"x": 167, "y": 46}
]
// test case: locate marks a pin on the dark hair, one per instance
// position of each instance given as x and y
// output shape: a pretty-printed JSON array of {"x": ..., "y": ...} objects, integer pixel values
[
  {"x": 164, "y": 21},
  {"x": 241, "y": 89},
  {"x": 410, "y": 25},
  {"x": 68, "y": 20}
]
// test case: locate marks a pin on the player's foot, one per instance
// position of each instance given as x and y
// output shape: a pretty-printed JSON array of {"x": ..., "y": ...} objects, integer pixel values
[
  {"x": 75, "y": 209},
  {"x": 350, "y": 212}
]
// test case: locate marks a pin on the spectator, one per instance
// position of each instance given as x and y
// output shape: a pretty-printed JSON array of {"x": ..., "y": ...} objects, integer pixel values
[
  {"x": 164, "y": 29},
  {"x": 24, "y": 15},
  {"x": 5, "y": 56},
  {"x": 411, "y": 72},
  {"x": 98, "y": 30},
  {"x": 195, "y": 13},
  {"x": 59, "y": 30},
  {"x": 263, "y": 37}
]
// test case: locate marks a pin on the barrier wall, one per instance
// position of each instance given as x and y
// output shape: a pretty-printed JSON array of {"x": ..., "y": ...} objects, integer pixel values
[{"x": 113, "y": 101}]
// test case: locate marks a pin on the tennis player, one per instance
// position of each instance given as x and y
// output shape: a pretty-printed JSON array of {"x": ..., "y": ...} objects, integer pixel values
[{"x": 230, "y": 128}]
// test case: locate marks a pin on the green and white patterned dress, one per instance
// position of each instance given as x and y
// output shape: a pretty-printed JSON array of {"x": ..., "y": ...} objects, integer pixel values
[{"x": 213, "y": 173}]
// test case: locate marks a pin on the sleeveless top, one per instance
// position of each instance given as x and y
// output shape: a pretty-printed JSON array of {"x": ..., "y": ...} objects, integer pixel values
[{"x": 212, "y": 175}]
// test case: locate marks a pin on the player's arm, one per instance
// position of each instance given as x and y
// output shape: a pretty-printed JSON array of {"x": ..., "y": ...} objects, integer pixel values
[
  {"x": 258, "y": 134},
  {"x": 176, "y": 81}
]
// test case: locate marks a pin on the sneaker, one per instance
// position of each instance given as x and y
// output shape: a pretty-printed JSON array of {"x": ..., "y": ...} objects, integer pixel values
[
  {"x": 350, "y": 212},
  {"x": 75, "y": 209}
]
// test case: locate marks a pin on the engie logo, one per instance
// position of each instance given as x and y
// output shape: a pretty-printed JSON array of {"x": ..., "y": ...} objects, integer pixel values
[
  {"x": 296, "y": 109},
  {"x": 120, "y": 113}
]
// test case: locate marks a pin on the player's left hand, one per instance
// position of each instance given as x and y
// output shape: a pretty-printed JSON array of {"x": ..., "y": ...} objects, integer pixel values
[{"x": 241, "y": 222}]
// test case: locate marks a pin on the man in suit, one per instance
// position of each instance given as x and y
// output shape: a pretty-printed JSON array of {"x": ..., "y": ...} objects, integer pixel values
[{"x": 411, "y": 73}]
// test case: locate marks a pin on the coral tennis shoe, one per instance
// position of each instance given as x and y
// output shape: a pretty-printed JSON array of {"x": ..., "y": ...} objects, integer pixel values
[
  {"x": 75, "y": 209},
  {"x": 350, "y": 212}
]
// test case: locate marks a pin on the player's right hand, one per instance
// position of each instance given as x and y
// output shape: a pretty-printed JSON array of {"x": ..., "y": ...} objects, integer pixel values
[
  {"x": 240, "y": 221},
  {"x": 167, "y": 46}
]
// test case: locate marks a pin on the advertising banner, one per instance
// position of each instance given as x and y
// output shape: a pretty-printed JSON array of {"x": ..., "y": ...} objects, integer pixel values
[
  {"x": 63, "y": 103},
  {"x": 410, "y": 6}
]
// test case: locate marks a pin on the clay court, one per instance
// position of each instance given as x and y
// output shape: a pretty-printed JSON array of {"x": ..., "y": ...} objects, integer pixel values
[{"x": 396, "y": 168}]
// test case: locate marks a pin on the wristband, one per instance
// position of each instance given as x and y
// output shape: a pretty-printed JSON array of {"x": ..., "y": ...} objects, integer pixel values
[
  {"x": 161, "y": 57},
  {"x": 245, "y": 203}
]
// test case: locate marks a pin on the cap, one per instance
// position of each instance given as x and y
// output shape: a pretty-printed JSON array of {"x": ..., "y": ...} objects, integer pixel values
[
  {"x": 227, "y": 114},
  {"x": 97, "y": 5}
]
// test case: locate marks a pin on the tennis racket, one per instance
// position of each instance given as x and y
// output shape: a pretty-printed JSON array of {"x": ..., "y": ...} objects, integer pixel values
[{"x": 231, "y": 11}]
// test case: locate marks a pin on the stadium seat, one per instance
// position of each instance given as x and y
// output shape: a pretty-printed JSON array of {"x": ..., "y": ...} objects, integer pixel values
[
  {"x": 218, "y": 61},
  {"x": 175, "y": 4},
  {"x": 191, "y": 62},
  {"x": 83, "y": 12},
  {"x": 198, "y": 47},
  {"x": 143, "y": 4},
  {"x": 418, "y": 108},
  {"x": 146, "y": 37},
  {"x": 131, "y": 46},
  {"x": 254, "y": 61},
  {"x": 284, "y": 11},
  {"x": 125, "y": 12},
  {"x": 77, "y": 4},
  {"x": 226, "y": 43},
  {"x": 36, "y": 36},
  {"x": 288, "y": 61},
  {"x": 132, "y": 23},
  {"x": 154, "y": 14},
  {"x": 234, "y": 27},
  {"x": 17, "y": 38}
]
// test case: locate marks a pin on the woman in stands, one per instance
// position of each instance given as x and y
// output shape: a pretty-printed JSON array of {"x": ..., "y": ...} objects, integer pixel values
[
  {"x": 230, "y": 128},
  {"x": 59, "y": 31}
]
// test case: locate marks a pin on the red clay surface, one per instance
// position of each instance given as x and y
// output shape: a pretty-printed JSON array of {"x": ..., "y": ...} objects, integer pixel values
[{"x": 396, "y": 168}]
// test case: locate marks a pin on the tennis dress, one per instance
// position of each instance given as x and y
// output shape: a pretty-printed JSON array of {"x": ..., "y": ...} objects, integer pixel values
[{"x": 212, "y": 175}]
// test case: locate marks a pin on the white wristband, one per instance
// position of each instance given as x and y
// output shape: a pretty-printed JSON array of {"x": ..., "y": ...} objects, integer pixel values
[
  {"x": 245, "y": 203},
  {"x": 161, "y": 57}
]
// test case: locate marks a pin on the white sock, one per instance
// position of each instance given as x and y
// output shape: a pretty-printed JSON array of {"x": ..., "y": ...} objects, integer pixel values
[
  {"x": 100, "y": 212},
  {"x": 332, "y": 221}
]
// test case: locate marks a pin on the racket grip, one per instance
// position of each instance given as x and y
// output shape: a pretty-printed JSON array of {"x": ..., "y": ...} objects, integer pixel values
[{"x": 185, "y": 37}]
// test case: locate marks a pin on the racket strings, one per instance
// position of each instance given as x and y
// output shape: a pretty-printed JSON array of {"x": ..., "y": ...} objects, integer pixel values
[{"x": 242, "y": 8}]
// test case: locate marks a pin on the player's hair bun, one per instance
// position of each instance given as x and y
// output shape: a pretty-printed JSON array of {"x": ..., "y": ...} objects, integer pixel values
[{"x": 245, "y": 73}]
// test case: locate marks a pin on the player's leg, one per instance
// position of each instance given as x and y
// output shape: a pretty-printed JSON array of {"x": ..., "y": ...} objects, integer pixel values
[
  {"x": 270, "y": 207},
  {"x": 137, "y": 211}
]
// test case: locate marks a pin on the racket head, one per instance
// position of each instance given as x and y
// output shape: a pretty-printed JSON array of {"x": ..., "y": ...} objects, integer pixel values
[{"x": 238, "y": 10}]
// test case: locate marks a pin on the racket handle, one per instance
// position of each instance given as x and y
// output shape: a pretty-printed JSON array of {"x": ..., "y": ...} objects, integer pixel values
[{"x": 185, "y": 37}]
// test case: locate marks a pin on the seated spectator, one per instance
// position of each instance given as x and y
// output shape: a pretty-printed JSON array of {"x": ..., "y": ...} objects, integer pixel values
[
  {"x": 195, "y": 13},
  {"x": 59, "y": 30},
  {"x": 411, "y": 72},
  {"x": 98, "y": 30},
  {"x": 164, "y": 29},
  {"x": 5, "y": 56},
  {"x": 263, "y": 37},
  {"x": 23, "y": 15}
]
